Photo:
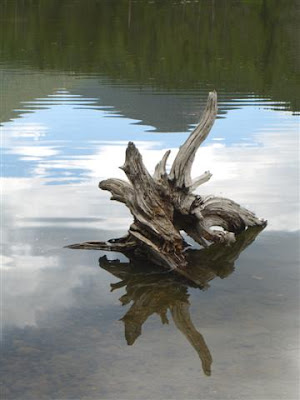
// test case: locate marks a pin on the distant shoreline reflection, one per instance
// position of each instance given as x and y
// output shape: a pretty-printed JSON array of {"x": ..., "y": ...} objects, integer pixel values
[{"x": 153, "y": 290}]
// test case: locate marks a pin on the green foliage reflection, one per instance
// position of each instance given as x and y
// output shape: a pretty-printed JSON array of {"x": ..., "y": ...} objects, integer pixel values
[{"x": 235, "y": 46}]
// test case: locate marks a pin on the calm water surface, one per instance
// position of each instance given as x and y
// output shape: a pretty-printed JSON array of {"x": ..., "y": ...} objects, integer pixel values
[{"x": 79, "y": 80}]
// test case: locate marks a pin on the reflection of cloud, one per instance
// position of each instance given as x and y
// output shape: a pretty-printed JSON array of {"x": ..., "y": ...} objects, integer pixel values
[
  {"x": 65, "y": 298},
  {"x": 31, "y": 130},
  {"x": 38, "y": 276},
  {"x": 41, "y": 283},
  {"x": 71, "y": 138},
  {"x": 28, "y": 199},
  {"x": 78, "y": 348},
  {"x": 34, "y": 151},
  {"x": 263, "y": 178},
  {"x": 260, "y": 175}
]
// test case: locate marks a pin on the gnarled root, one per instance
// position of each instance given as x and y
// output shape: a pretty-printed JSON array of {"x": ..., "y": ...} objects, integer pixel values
[{"x": 164, "y": 204}]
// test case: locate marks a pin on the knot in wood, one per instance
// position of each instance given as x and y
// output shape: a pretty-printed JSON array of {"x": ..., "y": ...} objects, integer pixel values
[{"x": 196, "y": 203}]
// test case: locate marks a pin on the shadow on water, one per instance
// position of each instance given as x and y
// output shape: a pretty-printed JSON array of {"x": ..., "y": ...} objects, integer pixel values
[{"x": 155, "y": 291}]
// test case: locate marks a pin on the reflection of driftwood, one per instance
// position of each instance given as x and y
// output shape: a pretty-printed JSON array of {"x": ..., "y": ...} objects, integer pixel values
[
  {"x": 181, "y": 317},
  {"x": 164, "y": 204},
  {"x": 217, "y": 260},
  {"x": 153, "y": 290}
]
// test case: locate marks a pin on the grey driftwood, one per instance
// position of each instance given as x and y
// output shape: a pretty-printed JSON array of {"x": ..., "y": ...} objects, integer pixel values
[{"x": 164, "y": 204}]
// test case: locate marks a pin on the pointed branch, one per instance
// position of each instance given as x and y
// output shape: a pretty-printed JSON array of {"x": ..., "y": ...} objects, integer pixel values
[
  {"x": 182, "y": 165},
  {"x": 125, "y": 244},
  {"x": 160, "y": 169},
  {"x": 200, "y": 180}
]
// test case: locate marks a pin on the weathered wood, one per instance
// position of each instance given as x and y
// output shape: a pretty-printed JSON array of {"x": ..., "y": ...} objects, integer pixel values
[
  {"x": 153, "y": 216},
  {"x": 200, "y": 180},
  {"x": 123, "y": 245},
  {"x": 121, "y": 191},
  {"x": 182, "y": 166},
  {"x": 165, "y": 204},
  {"x": 160, "y": 169}
]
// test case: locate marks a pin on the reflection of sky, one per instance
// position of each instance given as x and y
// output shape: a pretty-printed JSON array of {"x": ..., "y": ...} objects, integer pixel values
[
  {"x": 64, "y": 333},
  {"x": 252, "y": 154},
  {"x": 54, "y": 157},
  {"x": 61, "y": 134},
  {"x": 66, "y": 139}
]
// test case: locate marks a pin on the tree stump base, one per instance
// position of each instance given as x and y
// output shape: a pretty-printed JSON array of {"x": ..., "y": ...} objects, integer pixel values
[{"x": 164, "y": 204}]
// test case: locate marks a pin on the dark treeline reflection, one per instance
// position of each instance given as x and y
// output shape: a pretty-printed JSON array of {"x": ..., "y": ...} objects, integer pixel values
[
  {"x": 155, "y": 291},
  {"x": 235, "y": 46}
]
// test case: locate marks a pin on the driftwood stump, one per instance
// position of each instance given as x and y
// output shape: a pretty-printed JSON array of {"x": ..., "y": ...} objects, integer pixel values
[{"x": 164, "y": 204}]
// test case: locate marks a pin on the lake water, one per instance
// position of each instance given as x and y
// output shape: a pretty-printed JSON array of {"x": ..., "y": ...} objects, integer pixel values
[{"x": 78, "y": 81}]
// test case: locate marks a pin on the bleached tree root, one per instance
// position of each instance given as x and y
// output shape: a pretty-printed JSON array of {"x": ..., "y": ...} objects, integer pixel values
[{"x": 164, "y": 204}]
